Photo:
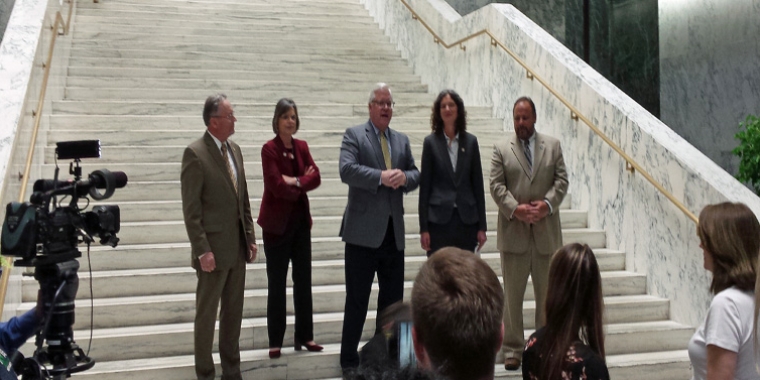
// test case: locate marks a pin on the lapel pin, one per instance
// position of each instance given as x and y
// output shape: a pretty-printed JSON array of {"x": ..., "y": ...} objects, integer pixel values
[{"x": 462, "y": 150}]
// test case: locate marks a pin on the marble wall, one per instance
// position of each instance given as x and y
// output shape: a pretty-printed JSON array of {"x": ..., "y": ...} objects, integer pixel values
[
  {"x": 658, "y": 239},
  {"x": 710, "y": 79},
  {"x": 623, "y": 38},
  {"x": 551, "y": 13},
  {"x": 6, "y": 6},
  {"x": 23, "y": 51}
]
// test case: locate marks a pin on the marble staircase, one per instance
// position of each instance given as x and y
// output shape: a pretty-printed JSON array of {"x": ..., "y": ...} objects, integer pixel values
[{"x": 137, "y": 78}]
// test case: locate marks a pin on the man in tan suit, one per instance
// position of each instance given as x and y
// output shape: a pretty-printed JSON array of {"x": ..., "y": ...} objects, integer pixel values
[
  {"x": 528, "y": 183},
  {"x": 220, "y": 228}
]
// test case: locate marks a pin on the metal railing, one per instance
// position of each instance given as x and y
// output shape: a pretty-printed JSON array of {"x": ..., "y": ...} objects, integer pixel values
[
  {"x": 59, "y": 28},
  {"x": 630, "y": 163}
]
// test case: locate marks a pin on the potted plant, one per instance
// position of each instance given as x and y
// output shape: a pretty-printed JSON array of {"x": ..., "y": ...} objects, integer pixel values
[{"x": 749, "y": 152}]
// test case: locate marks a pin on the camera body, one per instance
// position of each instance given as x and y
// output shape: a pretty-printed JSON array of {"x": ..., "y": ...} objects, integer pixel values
[
  {"x": 44, "y": 233},
  {"x": 34, "y": 234}
]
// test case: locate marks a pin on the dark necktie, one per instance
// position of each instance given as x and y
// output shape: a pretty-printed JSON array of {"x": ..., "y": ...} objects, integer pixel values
[{"x": 528, "y": 155}]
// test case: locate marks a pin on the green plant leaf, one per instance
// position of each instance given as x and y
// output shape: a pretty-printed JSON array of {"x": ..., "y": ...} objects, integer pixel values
[{"x": 748, "y": 152}]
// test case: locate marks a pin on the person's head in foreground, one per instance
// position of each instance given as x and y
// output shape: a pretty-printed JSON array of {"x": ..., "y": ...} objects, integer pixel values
[{"x": 457, "y": 308}]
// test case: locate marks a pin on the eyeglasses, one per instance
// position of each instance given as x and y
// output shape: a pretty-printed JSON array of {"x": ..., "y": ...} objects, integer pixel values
[
  {"x": 228, "y": 117},
  {"x": 384, "y": 104}
]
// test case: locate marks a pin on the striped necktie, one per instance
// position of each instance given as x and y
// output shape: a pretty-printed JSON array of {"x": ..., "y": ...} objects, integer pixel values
[
  {"x": 229, "y": 167},
  {"x": 528, "y": 154}
]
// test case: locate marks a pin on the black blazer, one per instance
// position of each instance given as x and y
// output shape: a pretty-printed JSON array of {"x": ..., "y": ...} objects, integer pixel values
[{"x": 441, "y": 188}]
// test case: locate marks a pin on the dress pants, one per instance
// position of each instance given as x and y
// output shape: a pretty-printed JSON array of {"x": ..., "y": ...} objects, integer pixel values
[
  {"x": 515, "y": 268},
  {"x": 455, "y": 233},
  {"x": 294, "y": 246},
  {"x": 361, "y": 265},
  {"x": 227, "y": 286}
]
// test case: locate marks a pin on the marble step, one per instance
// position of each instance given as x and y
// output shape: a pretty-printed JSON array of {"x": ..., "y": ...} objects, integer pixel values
[
  {"x": 252, "y": 60},
  {"x": 240, "y": 8},
  {"x": 147, "y": 94},
  {"x": 92, "y": 20},
  {"x": 203, "y": 3},
  {"x": 128, "y": 343},
  {"x": 662, "y": 365},
  {"x": 224, "y": 7},
  {"x": 261, "y": 124},
  {"x": 242, "y": 108},
  {"x": 257, "y": 84},
  {"x": 284, "y": 66},
  {"x": 192, "y": 35},
  {"x": 240, "y": 24},
  {"x": 179, "y": 280},
  {"x": 656, "y": 365},
  {"x": 147, "y": 256},
  {"x": 179, "y": 139},
  {"x": 134, "y": 215},
  {"x": 179, "y": 308},
  {"x": 168, "y": 171},
  {"x": 228, "y": 3},
  {"x": 177, "y": 255},
  {"x": 138, "y": 191},
  {"x": 200, "y": 13},
  {"x": 367, "y": 79},
  {"x": 153, "y": 154},
  {"x": 324, "y": 226},
  {"x": 205, "y": 33},
  {"x": 170, "y": 190},
  {"x": 320, "y": 207},
  {"x": 260, "y": 47}
]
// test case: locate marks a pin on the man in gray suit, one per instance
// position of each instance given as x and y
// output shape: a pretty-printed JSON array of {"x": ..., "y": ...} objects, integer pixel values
[
  {"x": 377, "y": 165},
  {"x": 528, "y": 183}
]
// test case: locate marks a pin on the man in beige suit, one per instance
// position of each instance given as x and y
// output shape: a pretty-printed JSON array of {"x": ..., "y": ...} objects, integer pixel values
[
  {"x": 528, "y": 183},
  {"x": 220, "y": 228}
]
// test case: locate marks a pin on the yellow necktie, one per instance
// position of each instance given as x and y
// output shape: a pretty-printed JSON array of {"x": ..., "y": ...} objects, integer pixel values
[
  {"x": 386, "y": 151},
  {"x": 229, "y": 168}
]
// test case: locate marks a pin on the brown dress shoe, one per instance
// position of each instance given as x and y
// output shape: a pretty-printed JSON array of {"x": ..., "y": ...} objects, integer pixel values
[{"x": 511, "y": 364}]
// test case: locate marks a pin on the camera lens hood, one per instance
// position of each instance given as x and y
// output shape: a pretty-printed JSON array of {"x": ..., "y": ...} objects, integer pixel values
[{"x": 102, "y": 178}]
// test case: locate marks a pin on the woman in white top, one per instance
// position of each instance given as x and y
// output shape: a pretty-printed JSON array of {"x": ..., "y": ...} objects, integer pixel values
[{"x": 723, "y": 346}]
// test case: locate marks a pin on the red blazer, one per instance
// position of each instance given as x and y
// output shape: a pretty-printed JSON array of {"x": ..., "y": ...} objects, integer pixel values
[{"x": 279, "y": 197}]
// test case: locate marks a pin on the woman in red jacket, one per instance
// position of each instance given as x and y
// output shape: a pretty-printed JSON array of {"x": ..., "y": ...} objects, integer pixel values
[{"x": 289, "y": 172}]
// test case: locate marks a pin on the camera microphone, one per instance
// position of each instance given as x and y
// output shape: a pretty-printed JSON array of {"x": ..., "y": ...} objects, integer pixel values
[{"x": 43, "y": 185}]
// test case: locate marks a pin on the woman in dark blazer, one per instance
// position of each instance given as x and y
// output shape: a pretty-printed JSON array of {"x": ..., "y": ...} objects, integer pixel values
[
  {"x": 289, "y": 172},
  {"x": 452, "y": 205}
]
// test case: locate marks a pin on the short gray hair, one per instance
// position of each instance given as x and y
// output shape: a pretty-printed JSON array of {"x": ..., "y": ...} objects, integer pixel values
[
  {"x": 212, "y": 106},
  {"x": 378, "y": 86}
]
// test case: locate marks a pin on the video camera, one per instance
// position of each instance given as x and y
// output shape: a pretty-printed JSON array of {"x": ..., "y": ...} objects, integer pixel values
[{"x": 44, "y": 233}]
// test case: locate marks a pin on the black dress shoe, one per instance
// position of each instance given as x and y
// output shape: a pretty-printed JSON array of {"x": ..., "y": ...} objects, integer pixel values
[{"x": 511, "y": 364}]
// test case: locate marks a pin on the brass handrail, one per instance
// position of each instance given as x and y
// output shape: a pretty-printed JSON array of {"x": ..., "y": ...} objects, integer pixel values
[
  {"x": 631, "y": 165},
  {"x": 59, "y": 27}
]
